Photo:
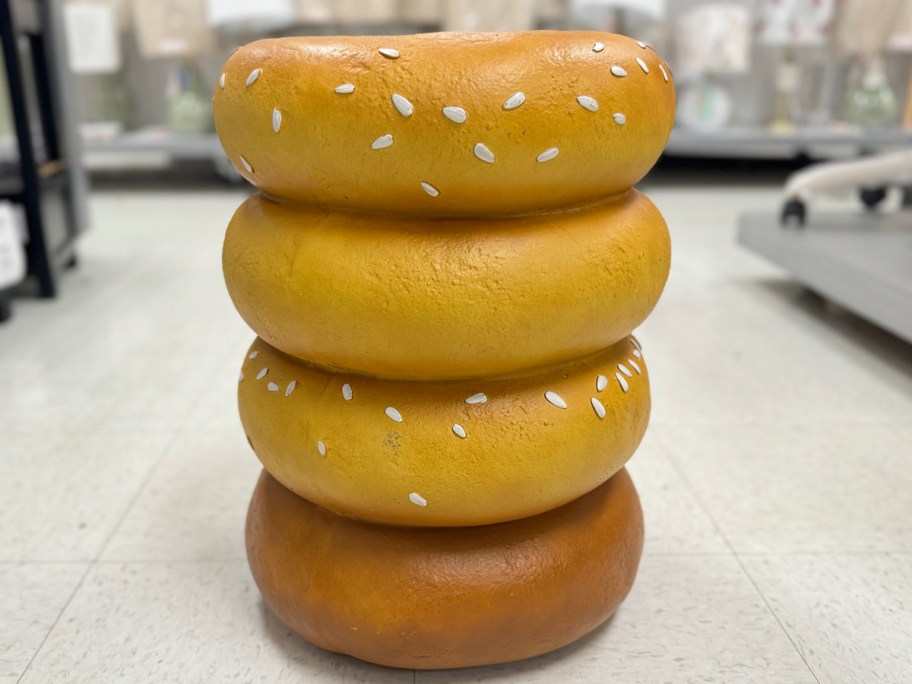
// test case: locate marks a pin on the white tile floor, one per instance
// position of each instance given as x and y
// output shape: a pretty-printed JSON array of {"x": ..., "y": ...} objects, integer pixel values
[{"x": 776, "y": 477}]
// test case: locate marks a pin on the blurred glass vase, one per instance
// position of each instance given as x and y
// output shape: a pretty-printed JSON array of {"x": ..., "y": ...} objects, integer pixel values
[
  {"x": 869, "y": 100},
  {"x": 189, "y": 107}
]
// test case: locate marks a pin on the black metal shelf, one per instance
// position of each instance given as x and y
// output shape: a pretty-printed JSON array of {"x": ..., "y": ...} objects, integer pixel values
[{"x": 42, "y": 173}]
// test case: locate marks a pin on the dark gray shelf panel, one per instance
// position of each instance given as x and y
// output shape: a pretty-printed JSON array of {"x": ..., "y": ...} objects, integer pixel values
[{"x": 863, "y": 262}]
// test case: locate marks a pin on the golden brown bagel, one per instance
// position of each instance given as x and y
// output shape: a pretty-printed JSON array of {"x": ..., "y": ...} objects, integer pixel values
[
  {"x": 447, "y": 124},
  {"x": 458, "y": 597},
  {"x": 444, "y": 454},
  {"x": 450, "y": 298}
]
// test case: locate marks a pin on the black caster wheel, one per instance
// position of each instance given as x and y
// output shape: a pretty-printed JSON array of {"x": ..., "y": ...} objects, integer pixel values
[
  {"x": 794, "y": 214},
  {"x": 872, "y": 197},
  {"x": 6, "y": 308}
]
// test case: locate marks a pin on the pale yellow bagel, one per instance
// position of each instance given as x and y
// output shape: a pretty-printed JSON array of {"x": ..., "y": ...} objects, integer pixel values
[
  {"x": 443, "y": 454},
  {"x": 432, "y": 598},
  {"x": 448, "y": 298},
  {"x": 445, "y": 124}
]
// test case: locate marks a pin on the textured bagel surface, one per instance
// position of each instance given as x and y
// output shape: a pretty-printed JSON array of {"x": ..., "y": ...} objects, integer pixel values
[
  {"x": 444, "y": 453},
  {"x": 449, "y": 124},
  {"x": 450, "y": 298},
  {"x": 443, "y": 598}
]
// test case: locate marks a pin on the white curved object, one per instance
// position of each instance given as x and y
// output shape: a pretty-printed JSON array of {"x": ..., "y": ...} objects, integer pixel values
[{"x": 894, "y": 168}]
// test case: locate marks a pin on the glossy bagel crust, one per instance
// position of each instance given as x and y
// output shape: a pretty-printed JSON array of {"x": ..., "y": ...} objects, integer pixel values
[
  {"x": 443, "y": 598},
  {"x": 450, "y": 298},
  {"x": 444, "y": 454},
  {"x": 447, "y": 124}
]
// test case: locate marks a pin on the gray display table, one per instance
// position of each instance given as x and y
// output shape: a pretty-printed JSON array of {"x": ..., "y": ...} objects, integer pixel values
[{"x": 863, "y": 262}]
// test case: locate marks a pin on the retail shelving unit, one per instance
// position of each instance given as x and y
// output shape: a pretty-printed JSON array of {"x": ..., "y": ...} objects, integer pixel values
[
  {"x": 43, "y": 174},
  {"x": 758, "y": 143}
]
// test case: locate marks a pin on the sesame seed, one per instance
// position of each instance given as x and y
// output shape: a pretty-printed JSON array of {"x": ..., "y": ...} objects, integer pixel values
[
  {"x": 479, "y": 398},
  {"x": 403, "y": 106},
  {"x": 382, "y": 142},
  {"x": 637, "y": 353},
  {"x": 664, "y": 73},
  {"x": 417, "y": 499},
  {"x": 622, "y": 381},
  {"x": 253, "y": 76},
  {"x": 272, "y": 387},
  {"x": 619, "y": 118},
  {"x": 642, "y": 65},
  {"x": 598, "y": 407},
  {"x": 483, "y": 153},
  {"x": 601, "y": 382},
  {"x": 430, "y": 189},
  {"x": 642, "y": 44},
  {"x": 276, "y": 120},
  {"x": 587, "y": 102},
  {"x": 389, "y": 53},
  {"x": 222, "y": 80},
  {"x": 635, "y": 365},
  {"x": 547, "y": 155},
  {"x": 347, "y": 392},
  {"x": 393, "y": 414},
  {"x": 253, "y": 354},
  {"x": 455, "y": 114},
  {"x": 625, "y": 370},
  {"x": 515, "y": 100},
  {"x": 635, "y": 342},
  {"x": 459, "y": 431},
  {"x": 262, "y": 374},
  {"x": 241, "y": 376},
  {"x": 598, "y": 47},
  {"x": 556, "y": 399},
  {"x": 321, "y": 448},
  {"x": 291, "y": 388},
  {"x": 345, "y": 88},
  {"x": 618, "y": 71},
  {"x": 246, "y": 164}
]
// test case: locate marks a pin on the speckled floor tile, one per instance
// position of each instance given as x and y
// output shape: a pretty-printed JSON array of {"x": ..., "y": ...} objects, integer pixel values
[
  {"x": 194, "y": 504},
  {"x": 674, "y": 520},
  {"x": 63, "y": 493},
  {"x": 733, "y": 339},
  {"x": 849, "y": 615},
  {"x": 32, "y": 596},
  {"x": 813, "y": 488},
  {"x": 779, "y": 425},
  {"x": 184, "y": 622},
  {"x": 689, "y": 619}
]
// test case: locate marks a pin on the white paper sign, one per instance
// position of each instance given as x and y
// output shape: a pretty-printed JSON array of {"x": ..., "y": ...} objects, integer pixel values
[
  {"x": 12, "y": 254},
  {"x": 93, "y": 43}
]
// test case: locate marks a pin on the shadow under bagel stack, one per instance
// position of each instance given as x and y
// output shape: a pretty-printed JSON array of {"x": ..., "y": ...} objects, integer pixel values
[{"x": 443, "y": 269}]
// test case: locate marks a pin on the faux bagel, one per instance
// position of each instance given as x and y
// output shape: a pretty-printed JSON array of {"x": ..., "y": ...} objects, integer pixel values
[
  {"x": 425, "y": 598},
  {"x": 450, "y": 298},
  {"x": 444, "y": 454},
  {"x": 448, "y": 124}
]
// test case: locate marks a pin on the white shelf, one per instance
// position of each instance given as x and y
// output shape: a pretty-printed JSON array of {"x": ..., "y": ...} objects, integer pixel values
[
  {"x": 151, "y": 148},
  {"x": 759, "y": 143}
]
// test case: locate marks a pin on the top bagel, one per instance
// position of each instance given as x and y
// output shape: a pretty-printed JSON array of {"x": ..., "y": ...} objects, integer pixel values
[{"x": 447, "y": 124}]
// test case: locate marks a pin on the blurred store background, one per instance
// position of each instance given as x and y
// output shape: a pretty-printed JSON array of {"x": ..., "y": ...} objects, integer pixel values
[
  {"x": 129, "y": 81},
  {"x": 776, "y": 473},
  {"x": 124, "y": 86}
]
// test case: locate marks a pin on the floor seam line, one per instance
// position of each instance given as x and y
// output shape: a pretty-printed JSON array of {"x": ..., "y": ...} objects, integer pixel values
[
  {"x": 738, "y": 560},
  {"x": 166, "y": 450},
  {"x": 47, "y": 634}
]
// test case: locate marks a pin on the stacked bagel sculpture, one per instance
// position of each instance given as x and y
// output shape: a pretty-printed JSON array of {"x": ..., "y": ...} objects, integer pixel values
[{"x": 443, "y": 269}]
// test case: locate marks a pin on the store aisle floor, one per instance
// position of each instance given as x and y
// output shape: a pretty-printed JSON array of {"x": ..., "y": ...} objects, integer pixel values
[{"x": 776, "y": 477}]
